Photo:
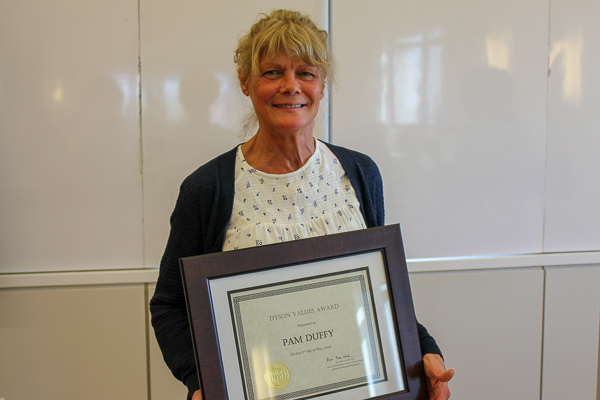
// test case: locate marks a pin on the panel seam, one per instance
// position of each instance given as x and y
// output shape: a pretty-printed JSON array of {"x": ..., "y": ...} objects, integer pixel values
[
  {"x": 141, "y": 147},
  {"x": 543, "y": 332},
  {"x": 548, "y": 73}
]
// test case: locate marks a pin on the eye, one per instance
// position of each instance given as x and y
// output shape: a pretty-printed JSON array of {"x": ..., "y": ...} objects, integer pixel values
[
  {"x": 271, "y": 74},
  {"x": 309, "y": 73},
  {"x": 307, "y": 76}
]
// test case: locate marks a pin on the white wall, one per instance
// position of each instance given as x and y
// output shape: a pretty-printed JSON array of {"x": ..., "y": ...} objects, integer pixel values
[
  {"x": 452, "y": 106},
  {"x": 485, "y": 135},
  {"x": 483, "y": 117},
  {"x": 71, "y": 192},
  {"x": 572, "y": 189}
]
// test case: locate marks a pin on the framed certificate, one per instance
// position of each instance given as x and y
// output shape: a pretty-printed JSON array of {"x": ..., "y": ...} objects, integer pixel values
[{"x": 328, "y": 318}]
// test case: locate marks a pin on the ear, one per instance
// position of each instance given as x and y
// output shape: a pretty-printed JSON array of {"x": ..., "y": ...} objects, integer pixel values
[{"x": 244, "y": 85}]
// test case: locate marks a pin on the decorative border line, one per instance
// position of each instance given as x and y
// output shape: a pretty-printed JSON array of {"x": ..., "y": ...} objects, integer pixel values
[{"x": 302, "y": 287}]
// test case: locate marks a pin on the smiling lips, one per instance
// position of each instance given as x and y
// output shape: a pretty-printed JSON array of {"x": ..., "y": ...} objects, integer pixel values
[{"x": 289, "y": 105}]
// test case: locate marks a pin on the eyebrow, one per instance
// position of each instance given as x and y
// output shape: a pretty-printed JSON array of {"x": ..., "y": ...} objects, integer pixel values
[{"x": 277, "y": 65}]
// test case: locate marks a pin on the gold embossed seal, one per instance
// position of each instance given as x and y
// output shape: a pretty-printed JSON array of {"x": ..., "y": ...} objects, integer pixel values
[{"x": 277, "y": 376}]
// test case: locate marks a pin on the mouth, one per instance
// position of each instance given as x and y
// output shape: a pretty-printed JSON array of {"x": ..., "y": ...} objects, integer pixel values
[{"x": 289, "y": 105}]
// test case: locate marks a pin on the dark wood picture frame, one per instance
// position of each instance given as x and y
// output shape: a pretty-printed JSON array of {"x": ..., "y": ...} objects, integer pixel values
[{"x": 198, "y": 271}]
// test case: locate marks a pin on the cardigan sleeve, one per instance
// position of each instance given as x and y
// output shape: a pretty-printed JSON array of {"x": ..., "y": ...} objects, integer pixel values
[
  {"x": 167, "y": 307},
  {"x": 198, "y": 223}
]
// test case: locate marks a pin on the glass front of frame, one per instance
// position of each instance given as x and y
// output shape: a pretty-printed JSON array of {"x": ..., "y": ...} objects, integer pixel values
[{"x": 318, "y": 330}]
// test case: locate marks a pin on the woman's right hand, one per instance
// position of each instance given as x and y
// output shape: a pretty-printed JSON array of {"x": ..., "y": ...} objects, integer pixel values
[{"x": 197, "y": 395}]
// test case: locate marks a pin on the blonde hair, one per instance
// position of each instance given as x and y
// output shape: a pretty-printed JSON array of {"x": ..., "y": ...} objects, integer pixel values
[
  {"x": 288, "y": 31},
  {"x": 282, "y": 30}
]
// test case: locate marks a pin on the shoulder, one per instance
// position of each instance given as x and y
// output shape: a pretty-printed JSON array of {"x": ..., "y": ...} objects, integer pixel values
[
  {"x": 215, "y": 172},
  {"x": 354, "y": 159}
]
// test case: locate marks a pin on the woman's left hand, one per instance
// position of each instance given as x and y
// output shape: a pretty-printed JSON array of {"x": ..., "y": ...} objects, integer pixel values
[{"x": 437, "y": 377}]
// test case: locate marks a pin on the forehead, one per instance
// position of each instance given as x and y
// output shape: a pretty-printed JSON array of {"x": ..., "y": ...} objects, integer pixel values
[{"x": 283, "y": 59}]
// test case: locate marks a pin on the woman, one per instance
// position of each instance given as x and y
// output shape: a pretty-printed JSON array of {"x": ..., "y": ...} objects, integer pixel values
[{"x": 308, "y": 188}]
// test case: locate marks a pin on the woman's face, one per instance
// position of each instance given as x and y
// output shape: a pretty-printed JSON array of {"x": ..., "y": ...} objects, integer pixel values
[{"x": 286, "y": 94}]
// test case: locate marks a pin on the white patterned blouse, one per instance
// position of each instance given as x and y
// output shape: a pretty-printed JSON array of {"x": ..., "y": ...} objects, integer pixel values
[{"x": 317, "y": 199}]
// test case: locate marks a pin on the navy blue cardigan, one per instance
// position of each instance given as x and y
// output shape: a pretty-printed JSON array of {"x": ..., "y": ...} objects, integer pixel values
[{"x": 198, "y": 226}]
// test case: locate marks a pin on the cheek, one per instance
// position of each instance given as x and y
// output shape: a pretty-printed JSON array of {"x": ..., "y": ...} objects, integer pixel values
[
  {"x": 318, "y": 95},
  {"x": 263, "y": 92}
]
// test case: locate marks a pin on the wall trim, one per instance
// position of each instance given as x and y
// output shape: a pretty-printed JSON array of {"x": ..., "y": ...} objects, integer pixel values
[
  {"x": 506, "y": 261},
  {"x": 150, "y": 275},
  {"x": 77, "y": 278}
]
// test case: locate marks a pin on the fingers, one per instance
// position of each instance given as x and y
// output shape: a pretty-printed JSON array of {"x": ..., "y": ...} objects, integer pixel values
[
  {"x": 438, "y": 377},
  {"x": 439, "y": 391}
]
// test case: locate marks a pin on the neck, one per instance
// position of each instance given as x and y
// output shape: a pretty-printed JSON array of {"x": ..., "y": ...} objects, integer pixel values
[{"x": 278, "y": 154}]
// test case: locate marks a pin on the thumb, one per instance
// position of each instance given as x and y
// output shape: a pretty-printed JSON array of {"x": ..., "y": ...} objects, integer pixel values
[
  {"x": 436, "y": 369},
  {"x": 445, "y": 376}
]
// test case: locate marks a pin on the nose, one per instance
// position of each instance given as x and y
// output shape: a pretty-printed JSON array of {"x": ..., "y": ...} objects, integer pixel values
[{"x": 289, "y": 84}]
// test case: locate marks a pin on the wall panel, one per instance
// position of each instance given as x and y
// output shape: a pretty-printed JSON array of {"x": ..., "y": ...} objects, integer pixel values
[
  {"x": 489, "y": 327},
  {"x": 571, "y": 326},
  {"x": 86, "y": 342},
  {"x": 449, "y": 98},
  {"x": 572, "y": 218},
  {"x": 71, "y": 193}
]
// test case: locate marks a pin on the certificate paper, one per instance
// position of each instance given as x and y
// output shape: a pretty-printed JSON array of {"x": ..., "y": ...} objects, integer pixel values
[{"x": 307, "y": 337}]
